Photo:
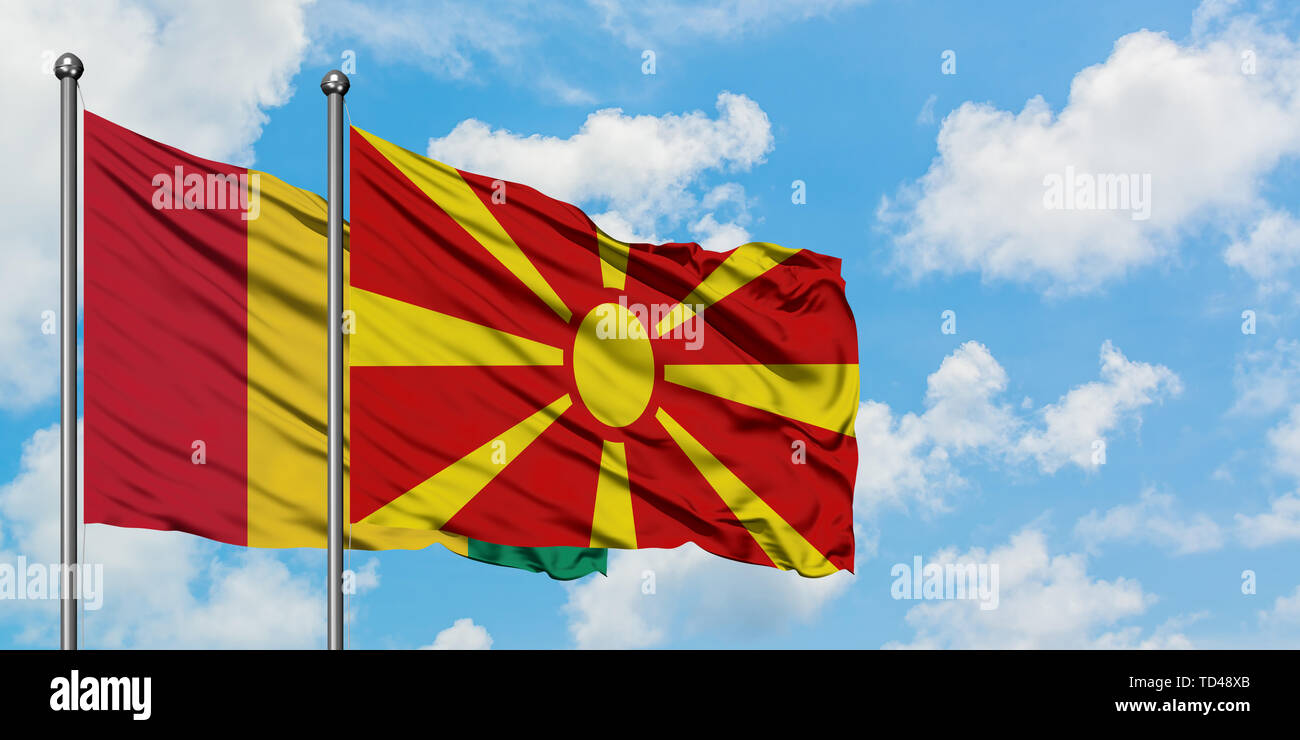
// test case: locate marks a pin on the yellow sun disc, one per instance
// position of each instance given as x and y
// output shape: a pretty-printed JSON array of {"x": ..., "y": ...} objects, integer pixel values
[{"x": 613, "y": 365}]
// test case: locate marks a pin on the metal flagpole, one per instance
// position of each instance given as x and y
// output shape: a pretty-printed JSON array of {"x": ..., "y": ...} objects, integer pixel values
[
  {"x": 335, "y": 85},
  {"x": 68, "y": 69}
]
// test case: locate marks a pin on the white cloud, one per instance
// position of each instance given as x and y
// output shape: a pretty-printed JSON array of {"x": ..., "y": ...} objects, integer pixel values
[
  {"x": 671, "y": 21},
  {"x": 254, "y": 602},
  {"x": 719, "y": 237},
  {"x": 453, "y": 39},
  {"x": 911, "y": 458},
  {"x": 367, "y": 576},
  {"x": 1046, "y": 601},
  {"x": 693, "y": 593},
  {"x": 644, "y": 170},
  {"x": 160, "y": 589},
  {"x": 1151, "y": 519},
  {"x": 1268, "y": 380},
  {"x": 926, "y": 116},
  {"x": 1280, "y": 523},
  {"x": 1269, "y": 252},
  {"x": 898, "y": 463},
  {"x": 566, "y": 92},
  {"x": 1285, "y": 611},
  {"x": 444, "y": 37},
  {"x": 1153, "y": 107},
  {"x": 463, "y": 634},
  {"x": 1284, "y": 439},
  {"x": 1168, "y": 635},
  {"x": 149, "y": 67},
  {"x": 457, "y": 39},
  {"x": 960, "y": 410},
  {"x": 1091, "y": 411}
]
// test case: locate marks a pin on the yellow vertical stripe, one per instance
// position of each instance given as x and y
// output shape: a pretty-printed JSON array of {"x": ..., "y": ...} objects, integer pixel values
[
  {"x": 612, "y": 524},
  {"x": 788, "y": 549},
  {"x": 445, "y": 186},
  {"x": 286, "y": 372},
  {"x": 286, "y": 379}
]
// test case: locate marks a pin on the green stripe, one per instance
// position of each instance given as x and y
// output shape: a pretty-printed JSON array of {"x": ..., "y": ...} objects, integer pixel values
[{"x": 560, "y": 563}]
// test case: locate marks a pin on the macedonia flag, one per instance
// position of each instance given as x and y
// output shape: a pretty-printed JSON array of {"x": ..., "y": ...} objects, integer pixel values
[
  {"x": 521, "y": 377},
  {"x": 205, "y": 357}
]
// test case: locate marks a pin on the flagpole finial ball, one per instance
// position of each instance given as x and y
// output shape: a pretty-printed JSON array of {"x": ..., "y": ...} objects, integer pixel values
[
  {"x": 68, "y": 65},
  {"x": 335, "y": 81}
]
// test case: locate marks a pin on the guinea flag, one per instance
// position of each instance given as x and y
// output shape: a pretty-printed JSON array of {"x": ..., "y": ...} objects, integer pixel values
[
  {"x": 519, "y": 376},
  {"x": 205, "y": 357}
]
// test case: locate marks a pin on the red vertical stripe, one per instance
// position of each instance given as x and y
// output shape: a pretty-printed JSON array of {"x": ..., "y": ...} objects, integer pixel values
[{"x": 166, "y": 354}]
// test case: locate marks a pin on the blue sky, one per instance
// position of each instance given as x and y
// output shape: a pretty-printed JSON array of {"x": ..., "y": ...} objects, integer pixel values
[{"x": 1071, "y": 326}]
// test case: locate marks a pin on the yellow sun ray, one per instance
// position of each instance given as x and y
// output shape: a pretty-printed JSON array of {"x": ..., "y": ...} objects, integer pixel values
[
  {"x": 444, "y": 185},
  {"x": 613, "y": 260},
  {"x": 612, "y": 524},
  {"x": 821, "y": 395},
  {"x": 744, "y": 264},
  {"x": 389, "y": 332},
  {"x": 434, "y": 502},
  {"x": 783, "y": 544}
]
